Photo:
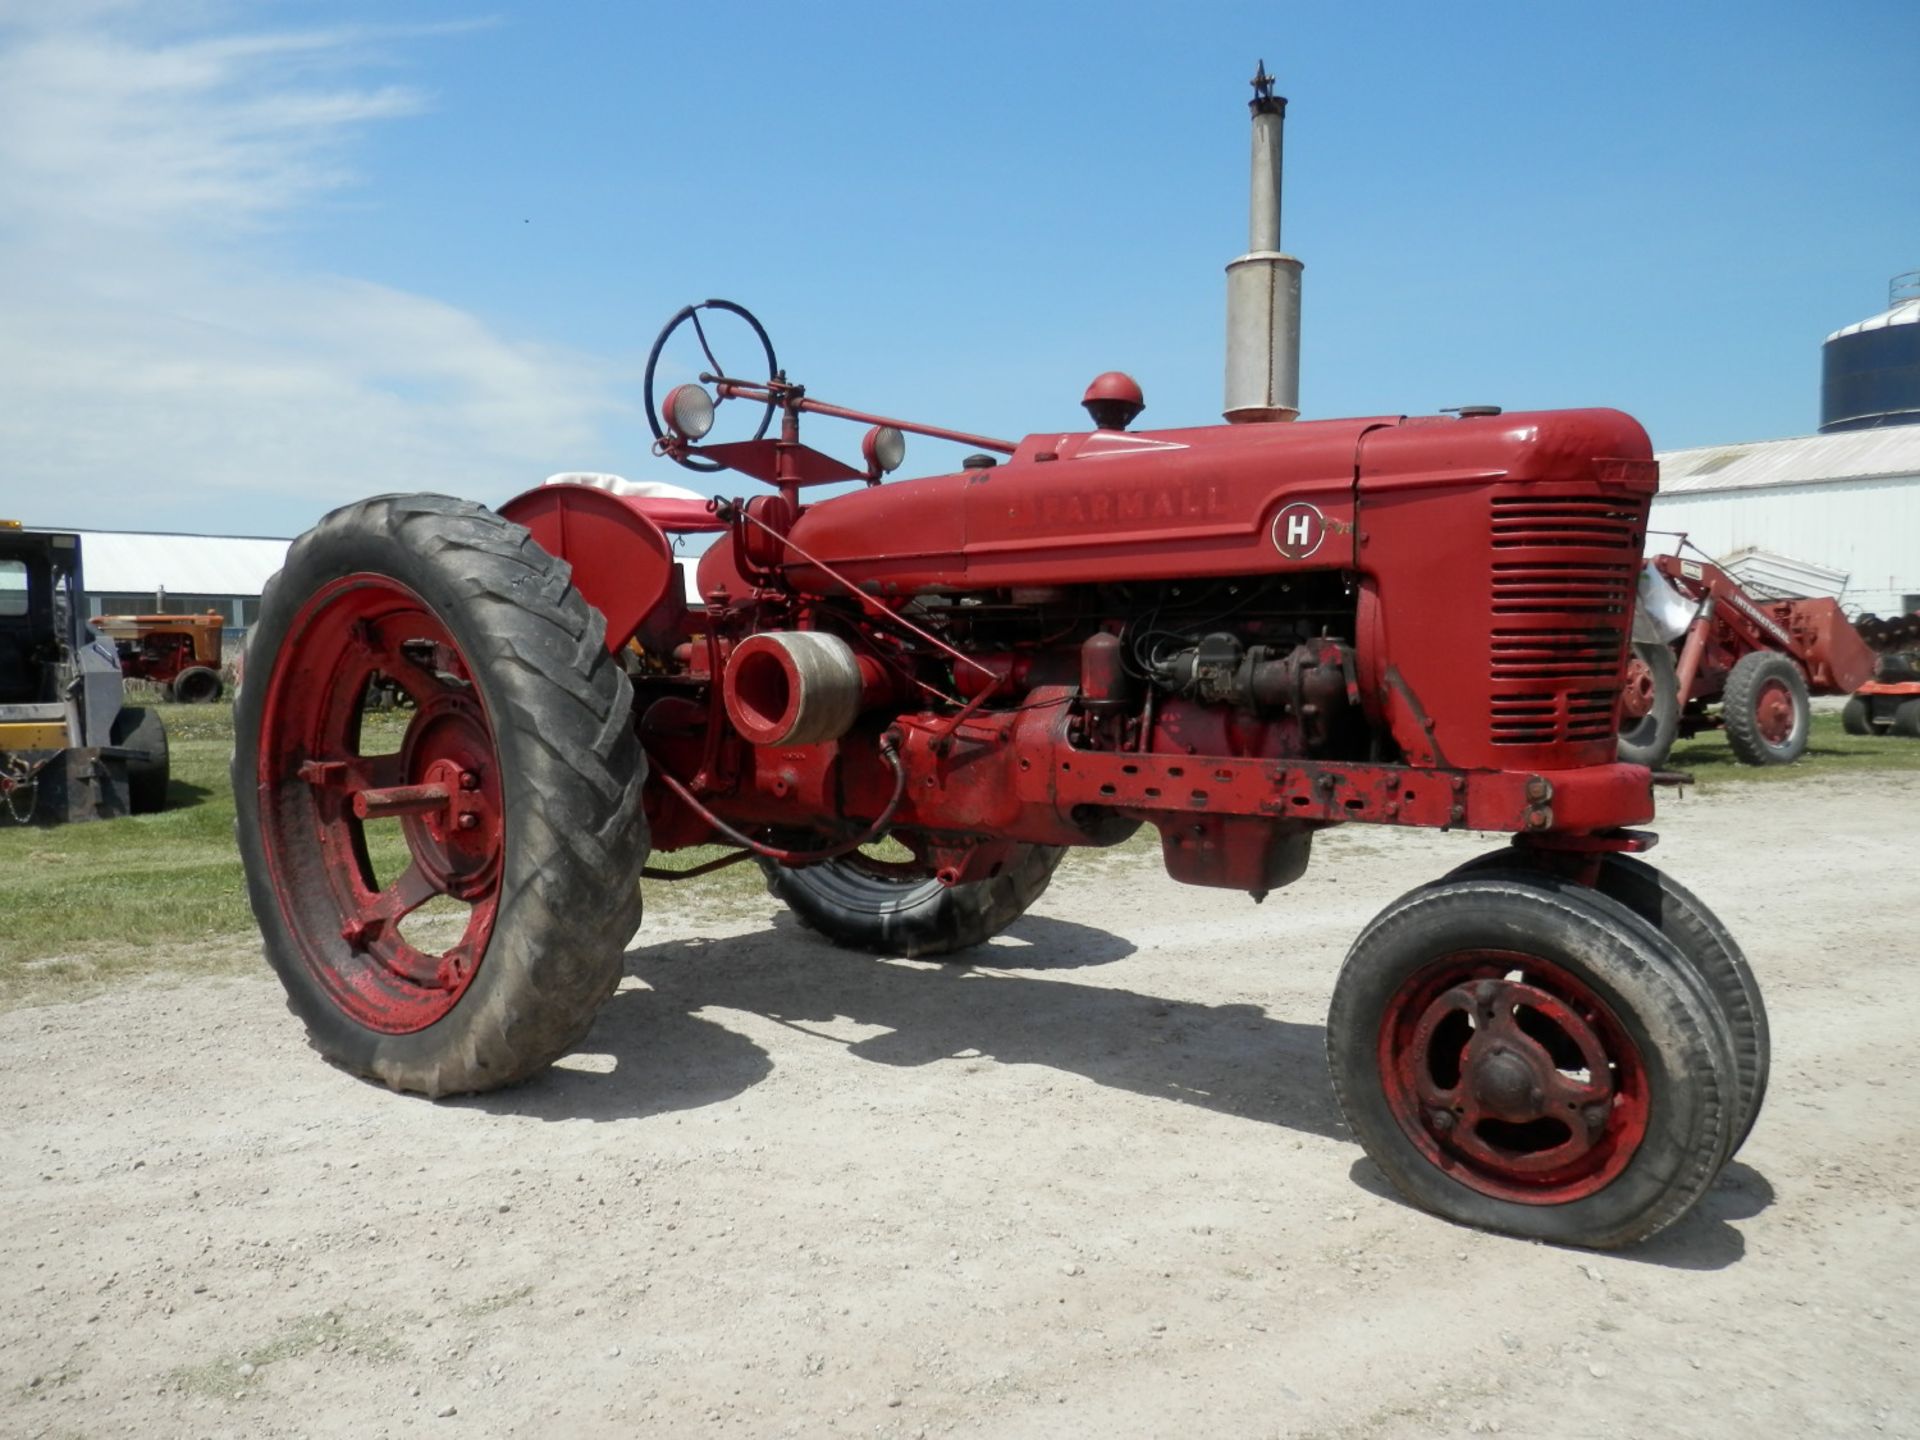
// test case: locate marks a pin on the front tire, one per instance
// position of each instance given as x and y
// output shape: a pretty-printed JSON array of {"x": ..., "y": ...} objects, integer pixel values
[
  {"x": 1906, "y": 719},
  {"x": 1856, "y": 717},
  {"x": 1765, "y": 706},
  {"x": 860, "y": 904},
  {"x": 1518, "y": 1054},
  {"x": 1716, "y": 959},
  {"x": 516, "y": 787},
  {"x": 196, "y": 685}
]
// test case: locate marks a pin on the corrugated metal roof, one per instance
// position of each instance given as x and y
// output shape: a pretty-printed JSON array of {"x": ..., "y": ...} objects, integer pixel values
[
  {"x": 1893, "y": 450},
  {"x": 124, "y": 562},
  {"x": 118, "y": 562}
]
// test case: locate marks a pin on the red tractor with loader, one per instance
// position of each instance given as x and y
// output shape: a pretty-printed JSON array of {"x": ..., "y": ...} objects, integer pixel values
[
  {"x": 1759, "y": 660},
  {"x": 1238, "y": 635}
]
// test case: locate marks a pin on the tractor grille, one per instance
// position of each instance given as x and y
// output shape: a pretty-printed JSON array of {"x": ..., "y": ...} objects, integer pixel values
[{"x": 1562, "y": 600}]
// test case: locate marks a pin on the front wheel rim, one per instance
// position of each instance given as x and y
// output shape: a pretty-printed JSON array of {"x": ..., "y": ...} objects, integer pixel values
[
  {"x": 357, "y": 843},
  {"x": 1775, "y": 714},
  {"x": 1511, "y": 1075}
]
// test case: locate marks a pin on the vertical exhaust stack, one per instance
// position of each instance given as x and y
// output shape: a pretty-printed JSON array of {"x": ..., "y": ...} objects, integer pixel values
[{"x": 1263, "y": 285}]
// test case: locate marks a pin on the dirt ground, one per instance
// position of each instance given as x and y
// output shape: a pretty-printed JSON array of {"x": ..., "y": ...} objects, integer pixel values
[{"x": 1092, "y": 1184}]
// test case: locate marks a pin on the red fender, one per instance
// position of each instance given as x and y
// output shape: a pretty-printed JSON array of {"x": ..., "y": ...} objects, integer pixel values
[{"x": 622, "y": 560}]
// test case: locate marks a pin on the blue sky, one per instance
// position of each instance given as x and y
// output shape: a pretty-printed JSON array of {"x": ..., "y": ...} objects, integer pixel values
[{"x": 259, "y": 259}]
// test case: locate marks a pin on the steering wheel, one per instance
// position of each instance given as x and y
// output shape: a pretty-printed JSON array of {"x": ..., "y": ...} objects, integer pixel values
[{"x": 692, "y": 313}]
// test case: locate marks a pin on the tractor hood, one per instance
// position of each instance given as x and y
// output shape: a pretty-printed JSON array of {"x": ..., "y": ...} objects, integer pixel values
[{"x": 1170, "y": 504}]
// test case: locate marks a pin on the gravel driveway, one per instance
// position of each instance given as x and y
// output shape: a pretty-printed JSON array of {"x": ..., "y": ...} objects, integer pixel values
[{"x": 1092, "y": 1184}]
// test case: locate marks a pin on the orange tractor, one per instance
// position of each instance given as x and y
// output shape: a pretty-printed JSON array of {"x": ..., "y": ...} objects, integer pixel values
[
  {"x": 1888, "y": 704},
  {"x": 180, "y": 652}
]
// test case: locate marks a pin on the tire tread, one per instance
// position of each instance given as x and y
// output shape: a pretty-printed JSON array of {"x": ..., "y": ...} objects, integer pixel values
[{"x": 569, "y": 898}]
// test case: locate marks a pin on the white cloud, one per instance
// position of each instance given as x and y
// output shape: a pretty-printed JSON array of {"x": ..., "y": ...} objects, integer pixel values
[{"x": 155, "y": 369}]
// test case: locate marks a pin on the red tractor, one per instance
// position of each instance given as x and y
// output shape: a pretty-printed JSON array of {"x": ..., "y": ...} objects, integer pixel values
[
  {"x": 1761, "y": 660},
  {"x": 1238, "y": 634}
]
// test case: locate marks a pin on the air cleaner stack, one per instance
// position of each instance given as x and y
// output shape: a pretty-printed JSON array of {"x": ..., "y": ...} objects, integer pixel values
[{"x": 1263, "y": 285}]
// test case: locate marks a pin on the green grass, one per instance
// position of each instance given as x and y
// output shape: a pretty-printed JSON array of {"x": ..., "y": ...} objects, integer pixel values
[
  {"x": 83, "y": 905},
  {"x": 86, "y": 901},
  {"x": 220, "y": 1378},
  {"x": 1830, "y": 751}
]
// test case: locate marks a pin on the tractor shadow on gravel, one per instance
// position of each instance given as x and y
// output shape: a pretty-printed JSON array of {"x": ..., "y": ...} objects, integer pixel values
[
  {"x": 641, "y": 1058},
  {"x": 1234, "y": 1059}
]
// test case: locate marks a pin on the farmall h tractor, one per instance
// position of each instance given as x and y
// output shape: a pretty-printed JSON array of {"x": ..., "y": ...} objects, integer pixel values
[{"x": 1237, "y": 634}]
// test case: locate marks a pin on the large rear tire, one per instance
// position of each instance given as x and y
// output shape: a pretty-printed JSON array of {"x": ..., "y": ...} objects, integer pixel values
[
  {"x": 860, "y": 904},
  {"x": 1650, "y": 713},
  {"x": 1523, "y": 1055},
  {"x": 517, "y": 789},
  {"x": 149, "y": 771},
  {"x": 1765, "y": 706}
]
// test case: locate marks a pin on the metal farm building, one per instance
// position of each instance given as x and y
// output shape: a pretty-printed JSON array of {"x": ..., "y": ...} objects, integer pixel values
[
  {"x": 1848, "y": 501},
  {"x": 129, "y": 573}
]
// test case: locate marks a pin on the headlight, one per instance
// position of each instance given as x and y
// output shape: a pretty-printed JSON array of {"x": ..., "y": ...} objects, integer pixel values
[
  {"x": 884, "y": 447},
  {"x": 689, "y": 411}
]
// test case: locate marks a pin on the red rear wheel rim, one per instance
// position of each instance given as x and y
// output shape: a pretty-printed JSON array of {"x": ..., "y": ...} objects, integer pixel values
[
  {"x": 1636, "y": 695},
  {"x": 1513, "y": 1076},
  {"x": 356, "y": 843},
  {"x": 1773, "y": 712}
]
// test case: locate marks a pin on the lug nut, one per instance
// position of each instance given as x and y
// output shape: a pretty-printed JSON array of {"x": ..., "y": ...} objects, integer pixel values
[
  {"x": 468, "y": 821},
  {"x": 469, "y": 780}
]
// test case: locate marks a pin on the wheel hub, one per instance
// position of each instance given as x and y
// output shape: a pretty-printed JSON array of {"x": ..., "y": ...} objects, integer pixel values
[
  {"x": 1510, "y": 1074},
  {"x": 1636, "y": 695},
  {"x": 1504, "y": 1084},
  {"x": 1773, "y": 713},
  {"x": 458, "y": 844}
]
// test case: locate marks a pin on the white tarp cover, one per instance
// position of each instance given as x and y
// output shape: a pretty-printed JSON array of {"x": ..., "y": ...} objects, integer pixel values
[
  {"x": 620, "y": 485},
  {"x": 1769, "y": 576}
]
